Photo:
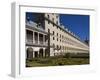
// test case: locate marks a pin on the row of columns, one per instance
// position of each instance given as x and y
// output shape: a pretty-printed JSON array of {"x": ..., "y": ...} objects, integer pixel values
[
  {"x": 38, "y": 37},
  {"x": 31, "y": 53},
  {"x": 39, "y": 54}
]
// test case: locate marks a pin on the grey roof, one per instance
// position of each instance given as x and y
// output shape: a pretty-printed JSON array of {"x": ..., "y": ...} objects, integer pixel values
[{"x": 33, "y": 25}]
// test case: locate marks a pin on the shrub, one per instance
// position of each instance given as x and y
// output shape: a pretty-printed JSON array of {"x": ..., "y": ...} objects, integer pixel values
[
  {"x": 67, "y": 55},
  {"x": 60, "y": 63}
]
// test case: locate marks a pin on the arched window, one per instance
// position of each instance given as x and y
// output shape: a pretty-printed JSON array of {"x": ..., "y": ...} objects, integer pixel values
[{"x": 41, "y": 52}]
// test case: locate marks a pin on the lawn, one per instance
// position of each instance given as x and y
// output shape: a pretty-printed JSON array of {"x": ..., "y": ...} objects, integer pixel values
[{"x": 56, "y": 61}]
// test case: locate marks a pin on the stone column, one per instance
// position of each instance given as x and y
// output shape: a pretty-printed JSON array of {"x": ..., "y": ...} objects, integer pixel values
[
  {"x": 38, "y": 53},
  {"x": 33, "y": 52},
  {"x": 33, "y": 38},
  {"x": 43, "y": 39},
  {"x": 44, "y": 52},
  {"x": 38, "y": 38}
]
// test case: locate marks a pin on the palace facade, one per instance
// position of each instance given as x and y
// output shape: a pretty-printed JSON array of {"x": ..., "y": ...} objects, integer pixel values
[{"x": 46, "y": 36}]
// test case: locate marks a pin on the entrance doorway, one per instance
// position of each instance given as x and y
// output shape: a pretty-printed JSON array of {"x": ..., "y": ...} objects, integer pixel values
[
  {"x": 29, "y": 53},
  {"x": 41, "y": 52},
  {"x": 35, "y": 54}
]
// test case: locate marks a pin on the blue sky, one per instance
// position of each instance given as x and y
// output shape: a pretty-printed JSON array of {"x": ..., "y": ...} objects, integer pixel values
[{"x": 78, "y": 24}]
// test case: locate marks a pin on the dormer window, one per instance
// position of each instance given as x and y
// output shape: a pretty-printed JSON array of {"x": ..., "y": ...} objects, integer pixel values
[{"x": 57, "y": 16}]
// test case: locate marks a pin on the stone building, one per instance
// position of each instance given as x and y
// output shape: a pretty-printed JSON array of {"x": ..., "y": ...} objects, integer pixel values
[{"x": 46, "y": 36}]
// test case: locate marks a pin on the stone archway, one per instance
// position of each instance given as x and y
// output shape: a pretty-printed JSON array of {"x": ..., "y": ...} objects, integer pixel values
[
  {"x": 35, "y": 54},
  {"x": 46, "y": 53},
  {"x": 29, "y": 53},
  {"x": 41, "y": 52}
]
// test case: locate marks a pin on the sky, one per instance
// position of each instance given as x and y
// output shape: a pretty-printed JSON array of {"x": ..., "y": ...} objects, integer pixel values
[{"x": 78, "y": 24}]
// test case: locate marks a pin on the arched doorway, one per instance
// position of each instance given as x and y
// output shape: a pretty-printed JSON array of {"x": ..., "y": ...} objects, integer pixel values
[
  {"x": 41, "y": 52},
  {"x": 35, "y": 54},
  {"x": 46, "y": 53},
  {"x": 29, "y": 53}
]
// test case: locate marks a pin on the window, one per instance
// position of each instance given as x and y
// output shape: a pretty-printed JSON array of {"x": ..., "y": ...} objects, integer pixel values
[
  {"x": 53, "y": 32},
  {"x": 37, "y": 25},
  {"x": 57, "y": 39},
  {"x": 60, "y": 35},
  {"x": 29, "y": 36},
  {"x": 57, "y": 47},
  {"x": 57, "y": 34},
  {"x": 45, "y": 38},
  {"x": 60, "y": 47},
  {"x": 53, "y": 38},
  {"x": 53, "y": 24},
  {"x": 48, "y": 30}
]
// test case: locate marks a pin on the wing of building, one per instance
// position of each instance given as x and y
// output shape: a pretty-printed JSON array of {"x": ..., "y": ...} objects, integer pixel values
[{"x": 47, "y": 37}]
